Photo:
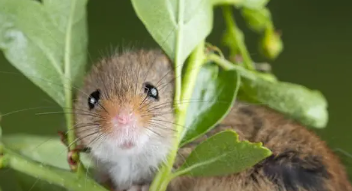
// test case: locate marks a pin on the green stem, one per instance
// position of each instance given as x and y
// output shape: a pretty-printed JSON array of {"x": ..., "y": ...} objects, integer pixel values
[
  {"x": 227, "y": 65},
  {"x": 71, "y": 134},
  {"x": 161, "y": 177},
  {"x": 178, "y": 60},
  {"x": 248, "y": 74},
  {"x": 196, "y": 60},
  {"x": 50, "y": 174},
  {"x": 71, "y": 139},
  {"x": 237, "y": 37}
]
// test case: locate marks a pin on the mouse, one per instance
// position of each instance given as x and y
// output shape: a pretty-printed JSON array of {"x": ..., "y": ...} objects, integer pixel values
[{"x": 124, "y": 113}]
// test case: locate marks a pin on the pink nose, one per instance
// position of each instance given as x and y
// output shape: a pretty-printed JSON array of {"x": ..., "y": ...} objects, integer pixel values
[{"x": 123, "y": 119}]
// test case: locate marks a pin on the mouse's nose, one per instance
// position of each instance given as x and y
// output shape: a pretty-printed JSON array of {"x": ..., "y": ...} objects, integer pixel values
[{"x": 124, "y": 118}]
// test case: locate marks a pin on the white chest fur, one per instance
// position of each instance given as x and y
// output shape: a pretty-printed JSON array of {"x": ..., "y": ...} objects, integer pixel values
[{"x": 128, "y": 167}]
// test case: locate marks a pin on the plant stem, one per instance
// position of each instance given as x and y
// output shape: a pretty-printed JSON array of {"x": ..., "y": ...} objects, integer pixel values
[
  {"x": 71, "y": 134},
  {"x": 50, "y": 174},
  {"x": 178, "y": 62},
  {"x": 248, "y": 74},
  {"x": 196, "y": 60},
  {"x": 227, "y": 65},
  {"x": 161, "y": 177},
  {"x": 237, "y": 37},
  {"x": 68, "y": 91}
]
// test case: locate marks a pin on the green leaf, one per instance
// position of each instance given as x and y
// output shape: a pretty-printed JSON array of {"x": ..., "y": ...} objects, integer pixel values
[
  {"x": 44, "y": 149},
  {"x": 305, "y": 105},
  {"x": 222, "y": 154},
  {"x": 46, "y": 41},
  {"x": 26, "y": 183},
  {"x": 60, "y": 177},
  {"x": 211, "y": 100},
  {"x": 178, "y": 26}
]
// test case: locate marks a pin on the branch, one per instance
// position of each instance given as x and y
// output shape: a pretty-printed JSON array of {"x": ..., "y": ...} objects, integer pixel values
[
  {"x": 48, "y": 173},
  {"x": 196, "y": 60},
  {"x": 237, "y": 37}
]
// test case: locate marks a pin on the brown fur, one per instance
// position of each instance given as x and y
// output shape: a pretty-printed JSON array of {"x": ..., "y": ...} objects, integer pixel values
[
  {"x": 300, "y": 160},
  {"x": 281, "y": 135},
  {"x": 120, "y": 79}
]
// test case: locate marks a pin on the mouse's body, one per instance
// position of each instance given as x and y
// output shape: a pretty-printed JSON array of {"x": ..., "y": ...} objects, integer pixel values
[
  {"x": 300, "y": 160},
  {"x": 124, "y": 114}
]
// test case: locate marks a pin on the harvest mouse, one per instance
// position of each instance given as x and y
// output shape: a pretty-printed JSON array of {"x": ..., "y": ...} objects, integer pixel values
[{"x": 124, "y": 114}]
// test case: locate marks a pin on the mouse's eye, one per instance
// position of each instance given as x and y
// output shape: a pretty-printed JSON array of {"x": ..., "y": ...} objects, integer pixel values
[
  {"x": 93, "y": 99},
  {"x": 151, "y": 91}
]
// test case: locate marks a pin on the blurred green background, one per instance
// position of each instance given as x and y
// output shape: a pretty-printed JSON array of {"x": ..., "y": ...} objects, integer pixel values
[{"x": 317, "y": 40}]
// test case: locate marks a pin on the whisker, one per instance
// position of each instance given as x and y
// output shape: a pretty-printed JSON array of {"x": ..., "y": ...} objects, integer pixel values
[
  {"x": 171, "y": 70},
  {"x": 153, "y": 131},
  {"x": 80, "y": 138},
  {"x": 95, "y": 139},
  {"x": 79, "y": 125},
  {"x": 161, "y": 126},
  {"x": 155, "y": 114},
  {"x": 48, "y": 81},
  {"x": 27, "y": 109},
  {"x": 60, "y": 112},
  {"x": 81, "y": 130},
  {"x": 153, "y": 120},
  {"x": 145, "y": 98},
  {"x": 171, "y": 104}
]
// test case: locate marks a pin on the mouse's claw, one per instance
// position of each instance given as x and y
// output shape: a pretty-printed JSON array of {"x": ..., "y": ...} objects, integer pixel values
[{"x": 63, "y": 137}]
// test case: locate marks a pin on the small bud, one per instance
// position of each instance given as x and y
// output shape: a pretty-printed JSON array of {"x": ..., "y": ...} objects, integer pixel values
[
  {"x": 3, "y": 161},
  {"x": 257, "y": 19},
  {"x": 271, "y": 45}
]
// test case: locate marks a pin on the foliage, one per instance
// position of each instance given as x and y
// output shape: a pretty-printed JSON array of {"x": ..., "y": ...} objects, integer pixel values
[
  {"x": 217, "y": 89},
  {"x": 221, "y": 154},
  {"x": 47, "y": 41}
]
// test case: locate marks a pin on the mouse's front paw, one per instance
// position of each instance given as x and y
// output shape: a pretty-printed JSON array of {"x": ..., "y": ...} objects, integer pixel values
[{"x": 144, "y": 187}]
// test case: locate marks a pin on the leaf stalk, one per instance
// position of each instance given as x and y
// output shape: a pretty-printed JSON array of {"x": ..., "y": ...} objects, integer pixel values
[
  {"x": 196, "y": 61},
  {"x": 178, "y": 59},
  {"x": 237, "y": 37},
  {"x": 77, "y": 166},
  {"x": 48, "y": 173}
]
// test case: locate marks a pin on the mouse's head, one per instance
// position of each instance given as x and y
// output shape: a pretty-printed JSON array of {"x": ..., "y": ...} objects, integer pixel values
[{"x": 126, "y": 103}]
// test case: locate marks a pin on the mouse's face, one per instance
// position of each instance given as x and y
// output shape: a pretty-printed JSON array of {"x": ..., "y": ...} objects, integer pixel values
[{"x": 125, "y": 106}]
